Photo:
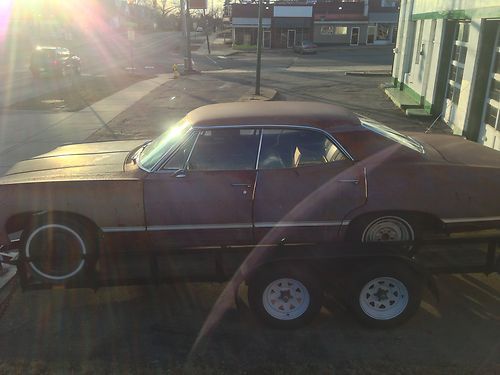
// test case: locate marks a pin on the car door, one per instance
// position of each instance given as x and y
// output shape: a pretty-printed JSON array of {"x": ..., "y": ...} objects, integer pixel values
[
  {"x": 305, "y": 187},
  {"x": 202, "y": 196}
]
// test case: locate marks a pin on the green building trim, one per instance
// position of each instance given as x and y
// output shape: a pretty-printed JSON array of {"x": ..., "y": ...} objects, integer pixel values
[{"x": 459, "y": 14}]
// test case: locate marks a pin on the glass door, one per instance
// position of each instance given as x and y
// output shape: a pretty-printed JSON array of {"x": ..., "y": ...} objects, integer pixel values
[
  {"x": 290, "y": 41},
  {"x": 370, "y": 38},
  {"x": 490, "y": 129},
  {"x": 354, "y": 36},
  {"x": 456, "y": 72},
  {"x": 266, "y": 39}
]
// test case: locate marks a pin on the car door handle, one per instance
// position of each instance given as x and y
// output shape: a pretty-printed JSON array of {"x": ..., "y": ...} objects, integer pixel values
[
  {"x": 355, "y": 182},
  {"x": 241, "y": 185}
]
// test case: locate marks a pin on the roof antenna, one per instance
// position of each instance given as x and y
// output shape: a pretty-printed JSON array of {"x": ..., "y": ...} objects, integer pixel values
[
  {"x": 433, "y": 123},
  {"x": 437, "y": 118}
]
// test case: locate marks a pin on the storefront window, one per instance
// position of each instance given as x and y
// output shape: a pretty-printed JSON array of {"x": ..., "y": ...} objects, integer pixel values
[
  {"x": 341, "y": 30},
  {"x": 326, "y": 30},
  {"x": 383, "y": 30}
]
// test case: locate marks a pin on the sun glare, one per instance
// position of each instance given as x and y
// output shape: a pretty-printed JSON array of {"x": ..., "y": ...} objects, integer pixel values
[{"x": 5, "y": 14}]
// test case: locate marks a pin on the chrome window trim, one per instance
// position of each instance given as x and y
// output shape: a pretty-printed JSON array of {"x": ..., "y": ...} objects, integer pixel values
[
  {"x": 192, "y": 149},
  {"x": 167, "y": 157},
  {"x": 167, "y": 153},
  {"x": 157, "y": 168},
  {"x": 258, "y": 151},
  {"x": 371, "y": 126},
  {"x": 294, "y": 127}
]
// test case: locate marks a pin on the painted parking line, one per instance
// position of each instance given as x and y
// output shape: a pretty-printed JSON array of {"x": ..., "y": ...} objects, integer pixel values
[
  {"x": 327, "y": 69},
  {"x": 230, "y": 71}
]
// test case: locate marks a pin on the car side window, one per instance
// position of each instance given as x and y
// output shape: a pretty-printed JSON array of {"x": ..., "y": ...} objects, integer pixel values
[
  {"x": 225, "y": 149},
  {"x": 178, "y": 160},
  {"x": 290, "y": 148}
]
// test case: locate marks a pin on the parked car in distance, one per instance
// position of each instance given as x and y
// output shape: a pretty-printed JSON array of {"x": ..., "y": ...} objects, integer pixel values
[
  {"x": 306, "y": 47},
  {"x": 233, "y": 178},
  {"x": 54, "y": 61}
]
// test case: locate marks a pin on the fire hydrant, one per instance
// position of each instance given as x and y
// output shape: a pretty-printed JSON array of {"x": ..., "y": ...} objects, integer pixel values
[{"x": 175, "y": 70}]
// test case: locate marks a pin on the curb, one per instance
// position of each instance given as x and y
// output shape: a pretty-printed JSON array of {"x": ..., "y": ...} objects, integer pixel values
[
  {"x": 266, "y": 95},
  {"x": 232, "y": 53},
  {"x": 369, "y": 74}
]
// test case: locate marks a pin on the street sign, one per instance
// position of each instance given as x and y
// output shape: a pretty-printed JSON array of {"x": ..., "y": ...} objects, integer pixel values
[{"x": 197, "y": 4}]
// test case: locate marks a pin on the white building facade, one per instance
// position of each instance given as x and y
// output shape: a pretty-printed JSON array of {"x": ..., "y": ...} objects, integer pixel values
[{"x": 447, "y": 60}]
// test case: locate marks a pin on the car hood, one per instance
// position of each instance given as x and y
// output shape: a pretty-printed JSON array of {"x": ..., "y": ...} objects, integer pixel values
[
  {"x": 86, "y": 160},
  {"x": 457, "y": 150}
]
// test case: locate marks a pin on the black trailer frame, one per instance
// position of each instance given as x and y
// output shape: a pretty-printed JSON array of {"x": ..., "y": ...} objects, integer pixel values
[{"x": 408, "y": 252}]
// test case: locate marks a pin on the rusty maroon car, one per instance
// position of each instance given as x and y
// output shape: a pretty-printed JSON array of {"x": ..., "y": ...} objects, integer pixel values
[{"x": 244, "y": 176}]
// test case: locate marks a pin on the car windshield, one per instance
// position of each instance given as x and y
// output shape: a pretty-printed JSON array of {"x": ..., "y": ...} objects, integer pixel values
[
  {"x": 392, "y": 134},
  {"x": 155, "y": 150}
]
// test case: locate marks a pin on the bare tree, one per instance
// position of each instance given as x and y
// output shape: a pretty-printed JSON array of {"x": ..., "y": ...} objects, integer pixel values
[{"x": 163, "y": 7}]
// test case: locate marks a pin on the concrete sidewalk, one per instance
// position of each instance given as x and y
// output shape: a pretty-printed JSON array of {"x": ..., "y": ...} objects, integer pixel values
[{"x": 24, "y": 134}]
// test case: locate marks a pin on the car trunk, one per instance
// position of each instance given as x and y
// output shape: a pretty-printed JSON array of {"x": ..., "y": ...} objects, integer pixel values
[{"x": 458, "y": 150}]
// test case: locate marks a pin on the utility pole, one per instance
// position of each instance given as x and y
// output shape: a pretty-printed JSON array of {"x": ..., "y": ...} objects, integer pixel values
[
  {"x": 188, "y": 68},
  {"x": 259, "y": 51},
  {"x": 205, "y": 27}
]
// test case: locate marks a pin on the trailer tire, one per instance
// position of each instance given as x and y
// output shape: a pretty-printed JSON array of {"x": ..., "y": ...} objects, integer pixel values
[
  {"x": 384, "y": 295},
  {"x": 58, "y": 249},
  {"x": 285, "y": 296}
]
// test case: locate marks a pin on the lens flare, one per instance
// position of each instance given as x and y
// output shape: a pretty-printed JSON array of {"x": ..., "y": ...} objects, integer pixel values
[{"x": 5, "y": 16}]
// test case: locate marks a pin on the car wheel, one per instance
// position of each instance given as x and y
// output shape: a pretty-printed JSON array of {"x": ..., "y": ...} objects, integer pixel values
[
  {"x": 385, "y": 228},
  {"x": 385, "y": 295},
  {"x": 58, "y": 251},
  {"x": 284, "y": 296}
]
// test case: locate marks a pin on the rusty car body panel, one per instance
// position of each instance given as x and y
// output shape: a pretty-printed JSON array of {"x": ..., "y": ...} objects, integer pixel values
[{"x": 452, "y": 181}]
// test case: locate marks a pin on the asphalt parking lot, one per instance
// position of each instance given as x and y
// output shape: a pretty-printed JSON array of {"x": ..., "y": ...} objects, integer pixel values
[{"x": 146, "y": 328}]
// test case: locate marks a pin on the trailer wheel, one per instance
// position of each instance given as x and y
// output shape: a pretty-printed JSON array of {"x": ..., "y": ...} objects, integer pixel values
[
  {"x": 284, "y": 296},
  {"x": 385, "y": 295},
  {"x": 58, "y": 250}
]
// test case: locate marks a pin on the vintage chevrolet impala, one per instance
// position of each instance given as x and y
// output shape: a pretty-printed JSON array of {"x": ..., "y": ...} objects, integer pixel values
[{"x": 247, "y": 175}]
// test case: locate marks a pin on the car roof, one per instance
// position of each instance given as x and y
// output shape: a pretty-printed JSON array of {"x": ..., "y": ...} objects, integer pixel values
[
  {"x": 40, "y": 48},
  {"x": 341, "y": 123},
  {"x": 328, "y": 117},
  {"x": 50, "y": 48}
]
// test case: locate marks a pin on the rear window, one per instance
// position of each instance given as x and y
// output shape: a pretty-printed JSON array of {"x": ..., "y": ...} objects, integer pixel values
[{"x": 391, "y": 134}]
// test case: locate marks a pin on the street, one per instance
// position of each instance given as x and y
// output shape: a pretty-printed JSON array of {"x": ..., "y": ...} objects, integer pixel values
[
  {"x": 143, "y": 329},
  {"x": 153, "y": 53}
]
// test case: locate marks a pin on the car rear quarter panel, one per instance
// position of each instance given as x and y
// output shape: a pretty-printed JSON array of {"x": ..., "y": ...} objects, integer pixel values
[
  {"x": 109, "y": 203},
  {"x": 443, "y": 190}
]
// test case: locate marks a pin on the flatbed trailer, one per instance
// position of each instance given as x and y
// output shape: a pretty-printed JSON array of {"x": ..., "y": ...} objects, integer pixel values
[{"x": 342, "y": 261}]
